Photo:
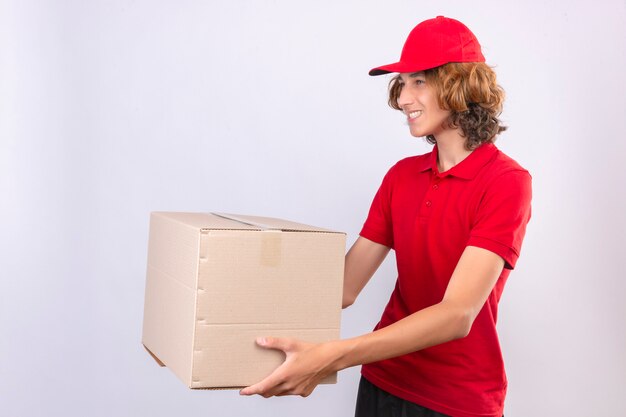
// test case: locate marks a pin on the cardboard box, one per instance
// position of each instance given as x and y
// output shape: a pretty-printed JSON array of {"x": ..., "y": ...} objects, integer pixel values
[{"x": 215, "y": 282}]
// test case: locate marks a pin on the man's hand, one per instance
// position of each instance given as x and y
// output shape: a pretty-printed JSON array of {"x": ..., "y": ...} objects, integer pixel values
[{"x": 306, "y": 364}]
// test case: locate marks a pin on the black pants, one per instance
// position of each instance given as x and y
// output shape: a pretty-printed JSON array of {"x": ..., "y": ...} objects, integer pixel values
[{"x": 372, "y": 401}]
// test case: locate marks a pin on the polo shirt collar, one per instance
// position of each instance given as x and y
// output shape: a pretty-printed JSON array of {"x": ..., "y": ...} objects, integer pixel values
[{"x": 467, "y": 168}]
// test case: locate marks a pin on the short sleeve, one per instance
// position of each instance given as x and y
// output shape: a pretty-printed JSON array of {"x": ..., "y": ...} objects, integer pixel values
[
  {"x": 502, "y": 216},
  {"x": 378, "y": 226}
]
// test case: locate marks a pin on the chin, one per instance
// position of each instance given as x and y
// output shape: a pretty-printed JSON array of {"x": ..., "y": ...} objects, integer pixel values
[{"x": 418, "y": 134}]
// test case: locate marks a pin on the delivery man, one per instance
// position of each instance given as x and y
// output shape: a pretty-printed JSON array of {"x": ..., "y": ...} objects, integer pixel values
[{"x": 456, "y": 218}]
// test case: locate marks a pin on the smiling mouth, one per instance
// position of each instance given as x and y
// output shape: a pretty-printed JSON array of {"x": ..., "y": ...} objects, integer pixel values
[{"x": 414, "y": 114}]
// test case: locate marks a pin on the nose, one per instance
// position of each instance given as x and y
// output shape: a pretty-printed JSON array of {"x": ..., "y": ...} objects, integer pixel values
[{"x": 405, "y": 98}]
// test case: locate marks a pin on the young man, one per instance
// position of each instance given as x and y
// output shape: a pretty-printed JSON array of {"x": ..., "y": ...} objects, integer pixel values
[{"x": 456, "y": 218}]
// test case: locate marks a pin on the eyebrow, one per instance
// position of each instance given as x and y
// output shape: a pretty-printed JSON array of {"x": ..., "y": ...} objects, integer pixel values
[{"x": 416, "y": 74}]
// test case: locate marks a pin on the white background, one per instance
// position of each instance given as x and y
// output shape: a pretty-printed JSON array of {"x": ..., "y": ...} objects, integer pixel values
[{"x": 112, "y": 109}]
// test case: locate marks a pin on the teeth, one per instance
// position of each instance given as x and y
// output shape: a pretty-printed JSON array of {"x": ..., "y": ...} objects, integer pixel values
[{"x": 415, "y": 114}]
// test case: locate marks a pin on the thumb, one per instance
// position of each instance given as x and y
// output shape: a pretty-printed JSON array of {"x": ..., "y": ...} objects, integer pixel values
[{"x": 277, "y": 343}]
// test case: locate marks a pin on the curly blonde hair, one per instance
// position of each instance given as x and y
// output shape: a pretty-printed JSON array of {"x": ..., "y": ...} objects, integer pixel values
[{"x": 471, "y": 93}]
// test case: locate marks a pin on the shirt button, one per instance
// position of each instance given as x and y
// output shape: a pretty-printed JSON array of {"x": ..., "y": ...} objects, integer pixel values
[
  {"x": 435, "y": 187},
  {"x": 428, "y": 204}
]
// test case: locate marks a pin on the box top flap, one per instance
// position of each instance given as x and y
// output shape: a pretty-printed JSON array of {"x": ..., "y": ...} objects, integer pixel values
[
  {"x": 270, "y": 223},
  {"x": 206, "y": 221},
  {"x": 224, "y": 221}
]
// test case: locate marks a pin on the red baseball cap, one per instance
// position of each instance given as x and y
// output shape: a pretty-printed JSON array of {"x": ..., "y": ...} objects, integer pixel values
[{"x": 435, "y": 42}]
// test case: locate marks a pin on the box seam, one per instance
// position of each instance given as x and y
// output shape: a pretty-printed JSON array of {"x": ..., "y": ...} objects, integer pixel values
[{"x": 195, "y": 312}]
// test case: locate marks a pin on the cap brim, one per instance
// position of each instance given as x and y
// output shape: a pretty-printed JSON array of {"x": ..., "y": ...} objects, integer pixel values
[
  {"x": 378, "y": 71},
  {"x": 386, "y": 69},
  {"x": 404, "y": 67}
]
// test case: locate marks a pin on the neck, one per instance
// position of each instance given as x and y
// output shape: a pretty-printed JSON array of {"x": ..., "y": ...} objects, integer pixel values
[{"x": 450, "y": 149}]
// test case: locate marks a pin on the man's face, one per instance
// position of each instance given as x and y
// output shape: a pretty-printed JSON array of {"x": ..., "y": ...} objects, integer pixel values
[{"x": 418, "y": 101}]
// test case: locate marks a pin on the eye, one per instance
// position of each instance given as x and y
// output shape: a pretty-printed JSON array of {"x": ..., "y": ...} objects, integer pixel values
[{"x": 419, "y": 82}]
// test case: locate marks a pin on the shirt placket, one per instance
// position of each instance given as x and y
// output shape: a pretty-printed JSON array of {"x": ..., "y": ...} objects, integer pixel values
[{"x": 431, "y": 199}]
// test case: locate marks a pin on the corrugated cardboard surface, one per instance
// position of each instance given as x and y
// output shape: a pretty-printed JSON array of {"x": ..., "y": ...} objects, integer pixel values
[
  {"x": 214, "y": 284},
  {"x": 169, "y": 309}
]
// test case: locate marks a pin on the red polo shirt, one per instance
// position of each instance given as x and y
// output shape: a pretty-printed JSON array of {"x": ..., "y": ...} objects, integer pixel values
[{"x": 429, "y": 218}]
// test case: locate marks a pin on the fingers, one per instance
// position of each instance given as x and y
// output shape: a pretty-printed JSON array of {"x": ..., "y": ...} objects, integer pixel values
[
  {"x": 271, "y": 383},
  {"x": 270, "y": 386},
  {"x": 256, "y": 389},
  {"x": 290, "y": 378},
  {"x": 268, "y": 390},
  {"x": 278, "y": 383}
]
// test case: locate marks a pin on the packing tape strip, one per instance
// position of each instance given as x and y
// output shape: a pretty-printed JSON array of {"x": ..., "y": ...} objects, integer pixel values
[
  {"x": 240, "y": 220},
  {"x": 271, "y": 240},
  {"x": 271, "y": 247}
]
